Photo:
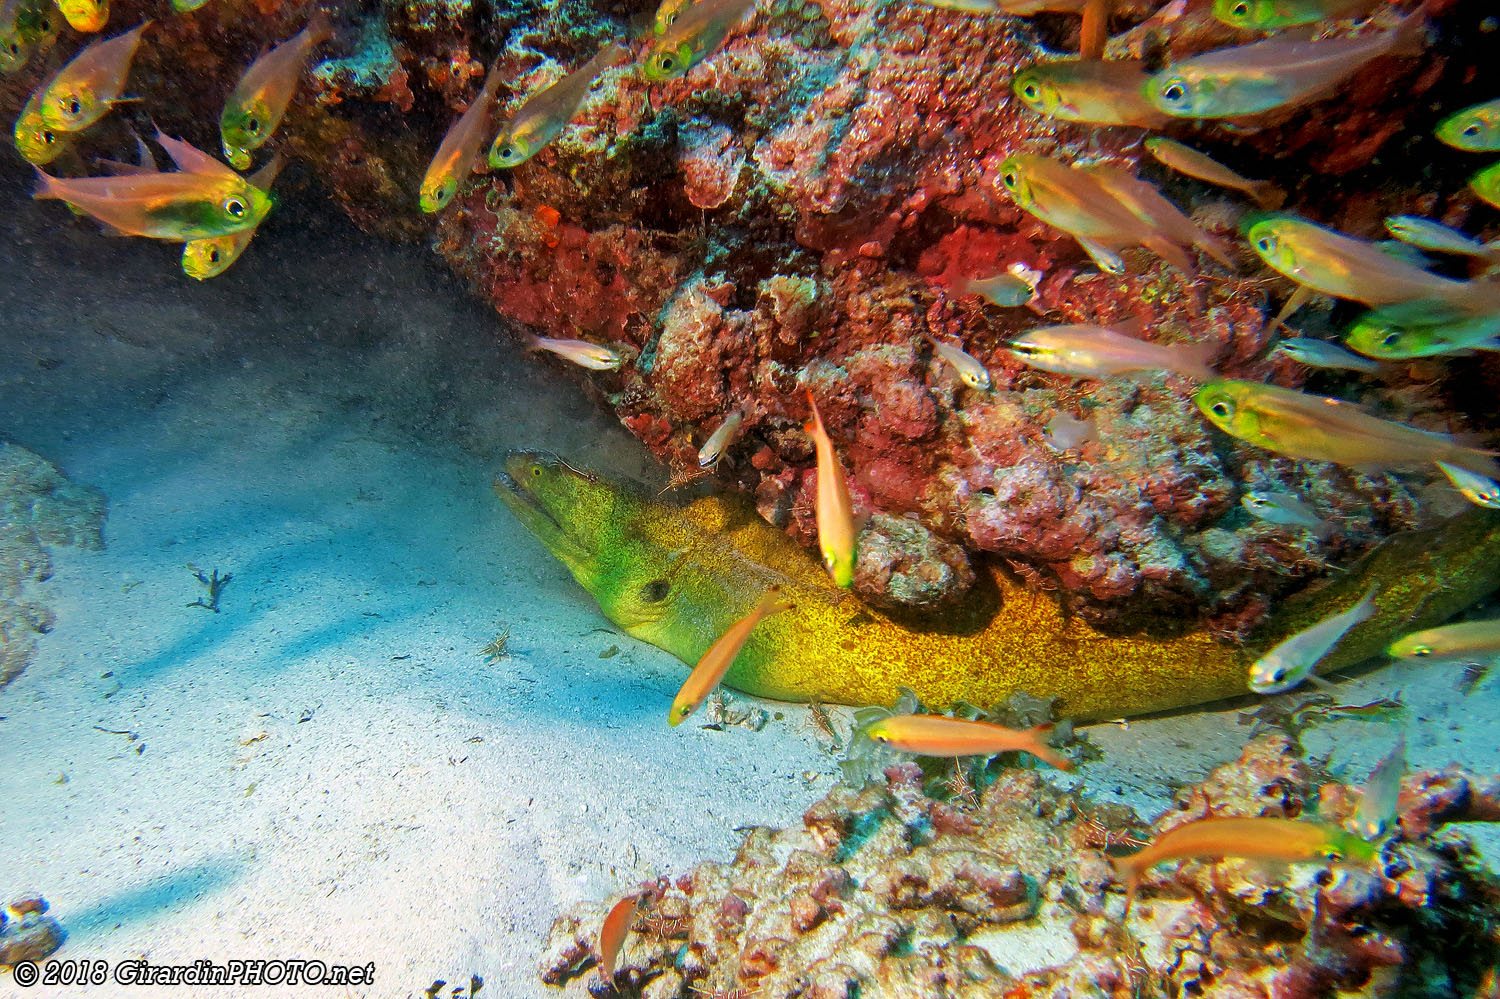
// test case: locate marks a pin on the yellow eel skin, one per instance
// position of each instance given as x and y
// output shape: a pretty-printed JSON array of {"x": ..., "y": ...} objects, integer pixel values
[{"x": 678, "y": 577}]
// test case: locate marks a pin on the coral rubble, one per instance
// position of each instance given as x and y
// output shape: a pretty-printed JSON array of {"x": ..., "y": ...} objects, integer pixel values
[
  {"x": 39, "y": 509},
  {"x": 886, "y": 892},
  {"x": 27, "y": 933}
]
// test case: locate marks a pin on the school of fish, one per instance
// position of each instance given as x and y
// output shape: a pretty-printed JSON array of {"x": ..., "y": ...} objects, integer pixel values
[{"x": 1414, "y": 307}]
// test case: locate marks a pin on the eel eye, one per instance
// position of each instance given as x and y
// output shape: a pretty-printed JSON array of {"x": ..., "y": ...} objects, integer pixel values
[
  {"x": 234, "y": 207},
  {"x": 1221, "y": 409},
  {"x": 536, "y": 471},
  {"x": 655, "y": 591}
]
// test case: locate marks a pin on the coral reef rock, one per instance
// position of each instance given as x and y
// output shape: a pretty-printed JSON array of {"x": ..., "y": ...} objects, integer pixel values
[
  {"x": 887, "y": 892},
  {"x": 39, "y": 509}
]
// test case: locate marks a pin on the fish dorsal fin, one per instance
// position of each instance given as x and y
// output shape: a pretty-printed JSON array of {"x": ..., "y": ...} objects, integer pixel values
[{"x": 191, "y": 159}]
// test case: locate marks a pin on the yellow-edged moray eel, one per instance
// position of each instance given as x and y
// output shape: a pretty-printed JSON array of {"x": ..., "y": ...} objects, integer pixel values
[{"x": 677, "y": 578}]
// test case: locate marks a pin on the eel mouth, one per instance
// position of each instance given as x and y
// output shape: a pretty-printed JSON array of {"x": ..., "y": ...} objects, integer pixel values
[{"x": 557, "y": 536}]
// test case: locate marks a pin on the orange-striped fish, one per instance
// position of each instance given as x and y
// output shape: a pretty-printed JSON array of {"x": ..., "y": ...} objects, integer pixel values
[
  {"x": 1286, "y": 840},
  {"x": 834, "y": 508},
  {"x": 720, "y": 656},
  {"x": 612, "y": 936},
  {"x": 455, "y": 155},
  {"x": 582, "y": 353},
  {"x": 86, "y": 88},
  {"x": 260, "y": 98},
  {"x": 939, "y": 735}
]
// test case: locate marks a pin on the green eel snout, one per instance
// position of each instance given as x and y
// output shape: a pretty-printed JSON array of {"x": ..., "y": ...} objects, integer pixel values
[{"x": 677, "y": 578}]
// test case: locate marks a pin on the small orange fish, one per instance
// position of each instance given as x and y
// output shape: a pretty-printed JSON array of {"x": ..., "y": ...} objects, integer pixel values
[
  {"x": 1187, "y": 160},
  {"x": 455, "y": 155},
  {"x": 612, "y": 936},
  {"x": 835, "y": 510},
  {"x": 1286, "y": 840},
  {"x": 939, "y": 735},
  {"x": 88, "y": 86},
  {"x": 260, "y": 98},
  {"x": 720, "y": 656}
]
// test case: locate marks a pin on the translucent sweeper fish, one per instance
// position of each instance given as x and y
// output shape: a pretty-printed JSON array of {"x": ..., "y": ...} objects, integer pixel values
[
  {"x": 548, "y": 112},
  {"x": 1097, "y": 352},
  {"x": 1376, "y": 811},
  {"x": 1189, "y": 161},
  {"x": 580, "y": 352},
  {"x": 1475, "y": 129},
  {"x": 1273, "y": 15},
  {"x": 1273, "y": 73},
  {"x": 86, "y": 88},
  {"x": 1013, "y": 287},
  {"x": 718, "y": 442},
  {"x": 254, "y": 110},
  {"x": 1320, "y": 428},
  {"x": 695, "y": 35},
  {"x": 1477, "y": 489},
  {"x": 833, "y": 508},
  {"x": 1450, "y": 642},
  {"x": 86, "y": 16},
  {"x": 1291, "y": 663},
  {"x": 1322, "y": 354},
  {"x": 1265, "y": 838},
  {"x": 939, "y": 735},
  {"x": 1389, "y": 335},
  {"x": 720, "y": 656},
  {"x": 1283, "y": 508},
  {"x": 1426, "y": 234},
  {"x": 970, "y": 371},
  {"x": 455, "y": 155},
  {"x": 206, "y": 258},
  {"x": 1089, "y": 91},
  {"x": 36, "y": 141},
  {"x": 1486, "y": 184}
]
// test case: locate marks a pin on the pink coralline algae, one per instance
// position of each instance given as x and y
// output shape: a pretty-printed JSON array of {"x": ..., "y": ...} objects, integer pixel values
[{"x": 914, "y": 888}]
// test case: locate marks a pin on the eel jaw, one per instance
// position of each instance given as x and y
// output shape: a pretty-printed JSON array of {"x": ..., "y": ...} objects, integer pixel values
[{"x": 551, "y": 532}]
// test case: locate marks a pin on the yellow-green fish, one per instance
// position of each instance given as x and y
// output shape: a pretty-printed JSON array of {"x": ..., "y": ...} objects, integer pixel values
[
  {"x": 1078, "y": 203},
  {"x": 260, "y": 98},
  {"x": 1189, "y": 161},
  {"x": 13, "y": 48},
  {"x": 838, "y": 536},
  {"x": 1151, "y": 207},
  {"x": 1486, "y": 184},
  {"x": 1377, "y": 334},
  {"x": 84, "y": 90},
  {"x": 1292, "y": 661},
  {"x": 210, "y": 257},
  {"x": 184, "y": 6},
  {"x": 1475, "y": 129},
  {"x": 37, "y": 141},
  {"x": 455, "y": 155},
  {"x": 697, "y": 33},
  {"x": 1318, "y": 428},
  {"x": 177, "y": 206},
  {"x": 1090, "y": 91},
  {"x": 1427, "y": 234},
  {"x": 667, "y": 14},
  {"x": 548, "y": 112},
  {"x": 970, "y": 371},
  {"x": 1273, "y": 15},
  {"x": 1339, "y": 265},
  {"x": 86, "y": 16},
  {"x": 1450, "y": 641},
  {"x": 1477, "y": 489},
  {"x": 1273, "y": 73}
]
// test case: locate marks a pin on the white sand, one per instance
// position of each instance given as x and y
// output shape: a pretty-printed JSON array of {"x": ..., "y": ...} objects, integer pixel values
[{"x": 330, "y": 768}]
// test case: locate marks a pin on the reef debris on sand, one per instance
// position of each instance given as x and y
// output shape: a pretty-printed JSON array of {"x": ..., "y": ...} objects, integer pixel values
[
  {"x": 885, "y": 891},
  {"x": 39, "y": 509},
  {"x": 27, "y": 933}
]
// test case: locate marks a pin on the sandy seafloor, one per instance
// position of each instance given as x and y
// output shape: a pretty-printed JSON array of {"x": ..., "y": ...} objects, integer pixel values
[{"x": 323, "y": 422}]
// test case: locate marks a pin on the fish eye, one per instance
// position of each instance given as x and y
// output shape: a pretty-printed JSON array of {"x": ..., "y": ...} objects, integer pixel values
[
  {"x": 48, "y": 137},
  {"x": 1010, "y": 179},
  {"x": 15, "y": 48},
  {"x": 508, "y": 153},
  {"x": 1030, "y": 91},
  {"x": 655, "y": 591},
  {"x": 253, "y": 126},
  {"x": 71, "y": 105},
  {"x": 1174, "y": 92},
  {"x": 1471, "y": 130},
  {"x": 213, "y": 256},
  {"x": 536, "y": 471},
  {"x": 1265, "y": 244},
  {"x": 1422, "y": 650},
  {"x": 234, "y": 207},
  {"x": 1335, "y": 855},
  {"x": 1241, "y": 10},
  {"x": 1221, "y": 409},
  {"x": 667, "y": 63},
  {"x": 1390, "y": 339}
]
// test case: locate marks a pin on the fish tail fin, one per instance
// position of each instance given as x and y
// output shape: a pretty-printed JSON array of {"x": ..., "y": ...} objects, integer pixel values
[
  {"x": 1366, "y": 605},
  {"x": 1216, "y": 248},
  {"x": 1409, "y": 36},
  {"x": 1037, "y": 746},
  {"x": 1267, "y": 195},
  {"x": 1126, "y": 874},
  {"x": 46, "y": 187},
  {"x": 615, "y": 53},
  {"x": 1473, "y": 459},
  {"x": 771, "y": 602},
  {"x": 319, "y": 29},
  {"x": 1095, "y": 30},
  {"x": 814, "y": 424},
  {"x": 1173, "y": 254},
  {"x": 492, "y": 82},
  {"x": 1196, "y": 360}
]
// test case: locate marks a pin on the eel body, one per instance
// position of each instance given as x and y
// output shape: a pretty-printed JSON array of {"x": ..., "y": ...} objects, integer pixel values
[{"x": 678, "y": 577}]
